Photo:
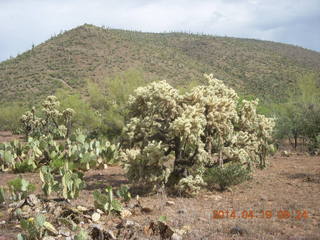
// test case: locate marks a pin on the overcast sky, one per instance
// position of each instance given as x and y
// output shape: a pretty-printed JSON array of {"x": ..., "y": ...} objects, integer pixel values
[{"x": 27, "y": 22}]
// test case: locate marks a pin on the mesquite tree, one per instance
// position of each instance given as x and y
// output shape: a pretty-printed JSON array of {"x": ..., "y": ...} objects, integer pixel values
[{"x": 173, "y": 138}]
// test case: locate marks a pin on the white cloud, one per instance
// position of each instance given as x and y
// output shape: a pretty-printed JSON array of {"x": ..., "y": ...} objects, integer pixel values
[{"x": 25, "y": 22}]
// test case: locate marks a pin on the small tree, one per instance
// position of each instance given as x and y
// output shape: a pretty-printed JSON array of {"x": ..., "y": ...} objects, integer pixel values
[{"x": 299, "y": 117}]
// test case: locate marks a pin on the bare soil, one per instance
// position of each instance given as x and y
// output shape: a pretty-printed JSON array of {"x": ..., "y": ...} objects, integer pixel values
[
  {"x": 289, "y": 184},
  {"x": 6, "y": 136}
]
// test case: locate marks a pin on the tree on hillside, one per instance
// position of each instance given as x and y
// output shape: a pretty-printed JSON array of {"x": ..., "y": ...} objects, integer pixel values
[
  {"x": 299, "y": 117},
  {"x": 109, "y": 98}
]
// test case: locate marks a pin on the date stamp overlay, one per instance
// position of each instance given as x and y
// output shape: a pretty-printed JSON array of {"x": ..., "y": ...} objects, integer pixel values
[{"x": 262, "y": 214}]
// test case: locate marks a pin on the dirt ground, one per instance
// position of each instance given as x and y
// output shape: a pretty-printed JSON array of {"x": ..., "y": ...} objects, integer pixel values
[
  {"x": 6, "y": 136},
  {"x": 255, "y": 208},
  {"x": 289, "y": 183}
]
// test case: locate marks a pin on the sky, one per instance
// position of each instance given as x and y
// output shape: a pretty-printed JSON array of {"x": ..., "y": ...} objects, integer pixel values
[{"x": 27, "y": 22}]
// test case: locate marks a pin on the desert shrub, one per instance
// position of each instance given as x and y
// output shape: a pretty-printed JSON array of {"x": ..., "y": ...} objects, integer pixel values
[
  {"x": 299, "y": 117},
  {"x": 9, "y": 116},
  {"x": 226, "y": 176},
  {"x": 85, "y": 117},
  {"x": 109, "y": 98},
  {"x": 171, "y": 139}
]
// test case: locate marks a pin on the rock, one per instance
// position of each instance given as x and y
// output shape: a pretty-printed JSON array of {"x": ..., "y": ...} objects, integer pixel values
[
  {"x": 131, "y": 205},
  {"x": 297, "y": 238},
  {"x": 216, "y": 197},
  {"x": 238, "y": 230},
  {"x": 100, "y": 211},
  {"x": 176, "y": 236},
  {"x": 109, "y": 234},
  {"x": 202, "y": 219},
  {"x": 95, "y": 225},
  {"x": 285, "y": 154},
  {"x": 57, "y": 211},
  {"x": 170, "y": 203},
  {"x": 64, "y": 232},
  {"x": 165, "y": 230},
  {"x": 48, "y": 238},
  {"x": 159, "y": 228},
  {"x": 26, "y": 211},
  {"x": 146, "y": 210},
  {"x": 95, "y": 217},
  {"x": 186, "y": 228},
  {"x": 180, "y": 231},
  {"x": 82, "y": 209},
  {"x": 182, "y": 211},
  {"x": 125, "y": 213},
  {"x": 263, "y": 198},
  {"x": 32, "y": 200},
  {"x": 128, "y": 224},
  {"x": 98, "y": 232},
  {"x": 17, "y": 204}
]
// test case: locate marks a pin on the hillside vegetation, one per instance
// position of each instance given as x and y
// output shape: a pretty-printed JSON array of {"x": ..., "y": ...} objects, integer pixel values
[{"x": 70, "y": 59}]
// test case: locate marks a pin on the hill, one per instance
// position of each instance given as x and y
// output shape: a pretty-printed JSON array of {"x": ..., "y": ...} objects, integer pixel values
[{"x": 264, "y": 69}]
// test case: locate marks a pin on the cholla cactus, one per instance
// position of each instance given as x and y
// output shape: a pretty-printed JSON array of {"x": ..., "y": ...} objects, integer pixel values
[
  {"x": 31, "y": 123},
  {"x": 50, "y": 106},
  {"x": 35, "y": 126},
  {"x": 147, "y": 166},
  {"x": 202, "y": 128},
  {"x": 67, "y": 115}
]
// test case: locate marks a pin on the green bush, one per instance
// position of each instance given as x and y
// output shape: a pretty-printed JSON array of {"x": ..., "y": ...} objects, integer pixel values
[
  {"x": 299, "y": 117},
  {"x": 85, "y": 117},
  {"x": 109, "y": 99},
  {"x": 10, "y": 115},
  {"x": 226, "y": 176}
]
